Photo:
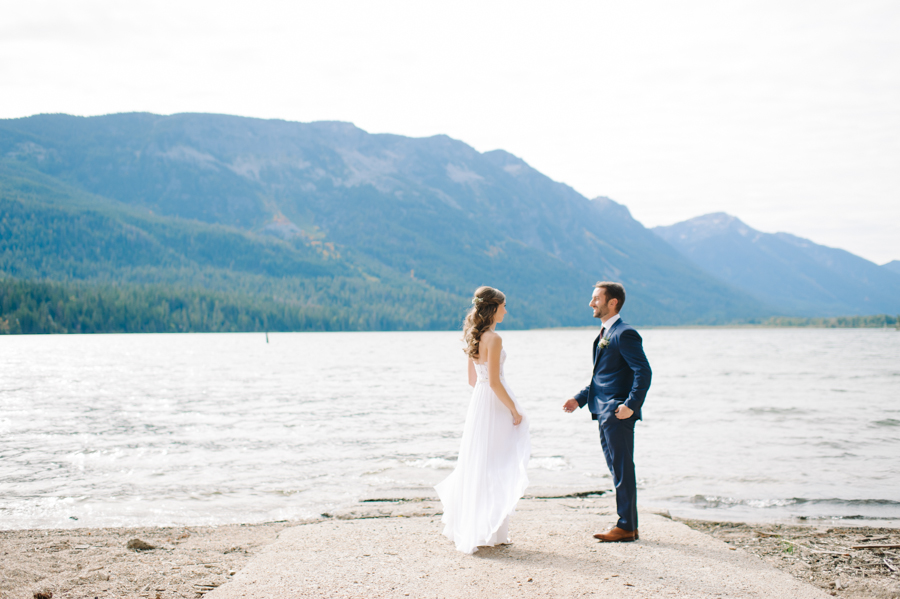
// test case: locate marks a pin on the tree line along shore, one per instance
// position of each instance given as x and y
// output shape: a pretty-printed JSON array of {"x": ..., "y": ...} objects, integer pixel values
[{"x": 47, "y": 307}]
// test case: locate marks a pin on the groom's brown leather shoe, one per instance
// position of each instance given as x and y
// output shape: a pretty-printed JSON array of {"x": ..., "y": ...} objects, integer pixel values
[{"x": 617, "y": 535}]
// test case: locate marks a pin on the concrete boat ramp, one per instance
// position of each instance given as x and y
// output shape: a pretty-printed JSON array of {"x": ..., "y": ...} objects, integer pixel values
[{"x": 395, "y": 549}]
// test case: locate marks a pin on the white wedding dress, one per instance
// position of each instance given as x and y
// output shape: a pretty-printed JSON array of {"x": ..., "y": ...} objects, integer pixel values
[{"x": 490, "y": 475}]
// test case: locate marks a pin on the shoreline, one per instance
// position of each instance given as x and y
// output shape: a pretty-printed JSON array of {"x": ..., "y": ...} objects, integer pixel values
[
  {"x": 662, "y": 327},
  {"x": 731, "y": 325},
  {"x": 191, "y": 561}
]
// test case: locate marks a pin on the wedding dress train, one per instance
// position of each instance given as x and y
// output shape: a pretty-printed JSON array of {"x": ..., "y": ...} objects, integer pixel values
[{"x": 490, "y": 475}]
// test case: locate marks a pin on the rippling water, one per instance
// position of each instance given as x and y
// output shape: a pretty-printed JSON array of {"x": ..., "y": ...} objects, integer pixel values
[{"x": 162, "y": 429}]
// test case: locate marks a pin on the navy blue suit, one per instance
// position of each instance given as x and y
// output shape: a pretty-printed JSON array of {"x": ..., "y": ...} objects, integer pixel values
[{"x": 621, "y": 376}]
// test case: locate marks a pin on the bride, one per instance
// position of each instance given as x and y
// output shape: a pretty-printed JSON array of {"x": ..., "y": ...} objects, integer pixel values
[{"x": 490, "y": 475}]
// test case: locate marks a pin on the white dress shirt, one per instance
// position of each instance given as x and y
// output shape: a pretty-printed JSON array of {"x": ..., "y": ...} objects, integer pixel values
[{"x": 608, "y": 323}]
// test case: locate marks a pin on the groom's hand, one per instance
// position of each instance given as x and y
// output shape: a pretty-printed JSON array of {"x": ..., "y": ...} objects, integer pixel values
[
  {"x": 623, "y": 412},
  {"x": 570, "y": 406}
]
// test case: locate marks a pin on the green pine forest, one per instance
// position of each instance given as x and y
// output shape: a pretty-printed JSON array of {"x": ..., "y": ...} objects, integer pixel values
[
  {"x": 28, "y": 307},
  {"x": 39, "y": 307}
]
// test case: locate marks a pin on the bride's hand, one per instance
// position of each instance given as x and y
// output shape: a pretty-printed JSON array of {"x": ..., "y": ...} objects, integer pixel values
[{"x": 517, "y": 418}]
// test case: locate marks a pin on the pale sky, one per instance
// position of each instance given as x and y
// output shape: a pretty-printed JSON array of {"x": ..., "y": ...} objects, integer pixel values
[{"x": 785, "y": 114}]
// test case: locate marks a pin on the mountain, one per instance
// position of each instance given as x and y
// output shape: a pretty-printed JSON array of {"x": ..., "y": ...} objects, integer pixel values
[
  {"x": 324, "y": 215},
  {"x": 893, "y": 266},
  {"x": 796, "y": 275}
]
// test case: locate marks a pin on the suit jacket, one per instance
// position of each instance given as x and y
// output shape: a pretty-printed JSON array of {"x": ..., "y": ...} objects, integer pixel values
[{"x": 621, "y": 374}]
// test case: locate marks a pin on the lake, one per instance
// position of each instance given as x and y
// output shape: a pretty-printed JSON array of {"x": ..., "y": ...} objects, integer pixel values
[{"x": 739, "y": 424}]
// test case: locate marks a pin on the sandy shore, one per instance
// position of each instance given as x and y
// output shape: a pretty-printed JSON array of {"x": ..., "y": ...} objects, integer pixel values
[
  {"x": 186, "y": 562},
  {"x": 394, "y": 549}
]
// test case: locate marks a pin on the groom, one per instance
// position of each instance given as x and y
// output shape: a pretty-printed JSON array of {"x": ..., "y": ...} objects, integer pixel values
[{"x": 615, "y": 396}]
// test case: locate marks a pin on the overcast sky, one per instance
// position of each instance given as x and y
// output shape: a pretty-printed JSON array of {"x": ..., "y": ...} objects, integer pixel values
[{"x": 785, "y": 114}]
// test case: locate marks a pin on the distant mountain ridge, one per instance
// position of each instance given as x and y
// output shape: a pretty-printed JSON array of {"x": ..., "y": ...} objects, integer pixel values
[
  {"x": 893, "y": 266},
  {"x": 793, "y": 274},
  {"x": 331, "y": 215}
]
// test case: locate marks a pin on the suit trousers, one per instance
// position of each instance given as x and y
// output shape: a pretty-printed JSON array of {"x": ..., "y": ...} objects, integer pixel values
[{"x": 617, "y": 438}]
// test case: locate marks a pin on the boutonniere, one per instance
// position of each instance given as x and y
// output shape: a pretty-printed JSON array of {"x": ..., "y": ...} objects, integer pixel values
[{"x": 604, "y": 342}]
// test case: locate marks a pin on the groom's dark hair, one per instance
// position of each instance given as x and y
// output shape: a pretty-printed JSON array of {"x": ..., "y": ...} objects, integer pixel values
[{"x": 613, "y": 291}]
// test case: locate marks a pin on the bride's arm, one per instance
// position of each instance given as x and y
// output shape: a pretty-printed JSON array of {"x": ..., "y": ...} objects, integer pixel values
[
  {"x": 473, "y": 376},
  {"x": 494, "y": 347}
]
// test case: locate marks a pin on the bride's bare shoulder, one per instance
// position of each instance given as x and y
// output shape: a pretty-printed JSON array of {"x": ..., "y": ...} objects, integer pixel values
[{"x": 491, "y": 338}]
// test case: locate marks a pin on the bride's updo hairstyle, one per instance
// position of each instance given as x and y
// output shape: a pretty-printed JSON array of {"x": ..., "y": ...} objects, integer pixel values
[{"x": 484, "y": 306}]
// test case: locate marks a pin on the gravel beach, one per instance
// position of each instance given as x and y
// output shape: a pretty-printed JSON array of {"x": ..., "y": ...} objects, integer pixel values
[
  {"x": 848, "y": 561},
  {"x": 395, "y": 549}
]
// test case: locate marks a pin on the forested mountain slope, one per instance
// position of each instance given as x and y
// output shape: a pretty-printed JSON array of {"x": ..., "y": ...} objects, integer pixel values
[{"x": 327, "y": 216}]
